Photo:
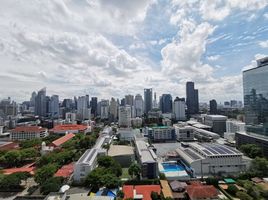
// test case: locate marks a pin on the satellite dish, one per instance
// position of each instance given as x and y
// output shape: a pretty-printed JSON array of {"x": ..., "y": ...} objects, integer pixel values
[{"x": 64, "y": 188}]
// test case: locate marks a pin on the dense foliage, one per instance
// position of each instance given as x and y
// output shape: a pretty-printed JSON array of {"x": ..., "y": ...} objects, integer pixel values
[
  {"x": 13, "y": 181},
  {"x": 52, "y": 184},
  {"x": 251, "y": 150}
]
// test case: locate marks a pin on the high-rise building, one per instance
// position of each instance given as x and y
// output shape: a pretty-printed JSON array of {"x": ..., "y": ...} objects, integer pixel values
[
  {"x": 123, "y": 102},
  {"x": 129, "y": 100},
  {"x": 124, "y": 116},
  {"x": 148, "y": 100},
  {"x": 32, "y": 100},
  {"x": 179, "y": 108},
  {"x": 104, "y": 106},
  {"x": 192, "y": 101},
  {"x": 138, "y": 106},
  {"x": 54, "y": 106},
  {"x": 165, "y": 103},
  {"x": 213, "y": 110},
  {"x": 94, "y": 105},
  {"x": 113, "y": 109},
  {"x": 41, "y": 103},
  {"x": 255, "y": 83},
  {"x": 83, "y": 112},
  {"x": 155, "y": 101}
]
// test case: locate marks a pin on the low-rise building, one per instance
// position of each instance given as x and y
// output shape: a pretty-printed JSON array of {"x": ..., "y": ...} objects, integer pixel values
[
  {"x": 70, "y": 128},
  {"x": 123, "y": 154},
  {"x": 212, "y": 158},
  {"x": 88, "y": 161},
  {"x": 28, "y": 132},
  {"x": 198, "y": 191},
  {"x": 147, "y": 159},
  {"x": 60, "y": 141},
  {"x": 217, "y": 122},
  {"x": 161, "y": 133},
  {"x": 140, "y": 191},
  {"x": 184, "y": 133}
]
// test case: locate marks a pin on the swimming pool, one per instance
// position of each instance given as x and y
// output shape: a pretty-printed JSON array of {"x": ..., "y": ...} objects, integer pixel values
[{"x": 172, "y": 167}]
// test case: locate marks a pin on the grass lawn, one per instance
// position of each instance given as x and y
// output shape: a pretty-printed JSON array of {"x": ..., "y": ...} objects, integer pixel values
[{"x": 125, "y": 173}]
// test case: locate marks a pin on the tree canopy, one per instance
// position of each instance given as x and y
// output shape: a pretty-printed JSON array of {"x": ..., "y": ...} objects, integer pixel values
[
  {"x": 45, "y": 172},
  {"x": 251, "y": 150}
]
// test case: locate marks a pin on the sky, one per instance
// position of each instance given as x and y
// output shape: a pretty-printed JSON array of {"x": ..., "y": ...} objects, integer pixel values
[{"x": 110, "y": 48}]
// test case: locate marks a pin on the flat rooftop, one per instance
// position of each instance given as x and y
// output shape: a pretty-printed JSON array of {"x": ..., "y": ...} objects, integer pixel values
[
  {"x": 147, "y": 155},
  {"x": 119, "y": 150}
]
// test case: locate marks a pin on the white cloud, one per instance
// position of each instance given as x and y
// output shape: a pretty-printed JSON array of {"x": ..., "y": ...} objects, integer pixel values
[
  {"x": 265, "y": 15},
  {"x": 264, "y": 44},
  {"x": 213, "y": 58}
]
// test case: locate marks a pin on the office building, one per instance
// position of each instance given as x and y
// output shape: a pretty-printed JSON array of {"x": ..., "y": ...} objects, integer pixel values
[
  {"x": 138, "y": 106},
  {"x": 155, "y": 105},
  {"x": 94, "y": 106},
  {"x": 206, "y": 159},
  {"x": 124, "y": 116},
  {"x": 161, "y": 133},
  {"x": 165, "y": 103},
  {"x": 213, "y": 110},
  {"x": 70, "y": 118},
  {"x": 28, "y": 133},
  {"x": 179, "y": 109},
  {"x": 184, "y": 133},
  {"x": 147, "y": 159},
  {"x": 41, "y": 103},
  {"x": 148, "y": 100},
  {"x": 113, "y": 110},
  {"x": 233, "y": 126},
  {"x": 255, "y": 85},
  {"x": 129, "y": 100},
  {"x": 261, "y": 141},
  {"x": 217, "y": 123},
  {"x": 104, "y": 109},
  {"x": 192, "y": 100},
  {"x": 83, "y": 112},
  {"x": 54, "y": 107}
]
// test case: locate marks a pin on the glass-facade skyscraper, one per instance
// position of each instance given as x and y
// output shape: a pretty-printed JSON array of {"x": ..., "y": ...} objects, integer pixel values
[
  {"x": 148, "y": 100},
  {"x": 192, "y": 101},
  {"x": 255, "y": 84}
]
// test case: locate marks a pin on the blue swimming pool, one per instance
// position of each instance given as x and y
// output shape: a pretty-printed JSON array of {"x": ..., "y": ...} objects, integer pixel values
[{"x": 172, "y": 167}]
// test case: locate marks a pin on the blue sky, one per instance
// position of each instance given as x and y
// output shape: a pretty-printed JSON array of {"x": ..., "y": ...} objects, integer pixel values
[{"x": 112, "y": 48}]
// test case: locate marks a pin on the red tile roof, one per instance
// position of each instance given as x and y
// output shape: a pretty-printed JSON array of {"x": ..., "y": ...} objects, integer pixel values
[
  {"x": 31, "y": 129},
  {"x": 63, "y": 139},
  {"x": 145, "y": 190},
  {"x": 9, "y": 146},
  {"x": 197, "y": 191},
  {"x": 67, "y": 127},
  {"x": 27, "y": 168},
  {"x": 65, "y": 171}
]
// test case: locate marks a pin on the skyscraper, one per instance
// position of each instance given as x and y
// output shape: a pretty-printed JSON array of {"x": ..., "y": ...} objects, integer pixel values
[
  {"x": 129, "y": 100},
  {"x": 148, "y": 100},
  {"x": 192, "y": 99},
  {"x": 94, "y": 105},
  {"x": 138, "y": 106},
  {"x": 124, "y": 116},
  {"x": 213, "y": 107},
  {"x": 179, "y": 108},
  {"x": 255, "y": 83},
  {"x": 104, "y": 106},
  {"x": 54, "y": 107},
  {"x": 166, "y": 103},
  {"x": 113, "y": 110},
  {"x": 83, "y": 112},
  {"x": 41, "y": 103}
]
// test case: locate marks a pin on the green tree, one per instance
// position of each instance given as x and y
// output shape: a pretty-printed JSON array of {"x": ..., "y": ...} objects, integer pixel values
[
  {"x": 251, "y": 150},
  {"x": 154, "y": 196},
  {"x": 13, "y": 157},
  {"x": 134, "y": 170},
  {"x": 29, "y": 154},
  {"x": 110, "y": 164},
  {"x": 52, "y": 184},
  {"x": 212, "y": 181},
  {"x": 30, "y": 143},
  {"x": 13, "y": 181},
  {"x": 259, "y": 166},
  {"x": 94, "y": 179},
  {"x": 243, "y": 195},
  {"x": 232, "y": 189},
  {"x": 120, "y": 194},
  {"x": 45, "y": 172},
  {"x": 162, "y": 176},
  {"x": 110, "y": 181}
]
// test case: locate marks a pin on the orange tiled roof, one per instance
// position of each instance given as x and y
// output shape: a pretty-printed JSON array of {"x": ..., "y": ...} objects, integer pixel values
[
  {"x": 145, "y": 190},
  {"x": 201, "y": 191},
  {"x": 65, "y": 171},
  {"x": 28, "y": 129},
  {"x": 63, "y": 139},
  {"x": 67, "y": 127},
  {"x": 21, "y": 169}
]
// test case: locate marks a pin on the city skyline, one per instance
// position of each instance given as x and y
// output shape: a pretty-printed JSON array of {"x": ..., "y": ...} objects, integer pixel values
[{"x": 134, "y": 48}]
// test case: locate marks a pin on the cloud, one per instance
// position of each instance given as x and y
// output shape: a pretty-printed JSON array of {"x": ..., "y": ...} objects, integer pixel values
[
  {"x": 181, "y": 58},
  {"x": 264, "y": 44},
  {"x": 213, "y": 58}
]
